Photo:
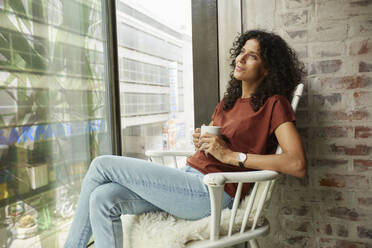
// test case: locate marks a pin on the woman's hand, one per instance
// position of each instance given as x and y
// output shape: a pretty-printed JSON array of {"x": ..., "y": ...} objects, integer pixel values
[
  {"x": 214, "y": 145},
  {"x": 195, "y": 138}
]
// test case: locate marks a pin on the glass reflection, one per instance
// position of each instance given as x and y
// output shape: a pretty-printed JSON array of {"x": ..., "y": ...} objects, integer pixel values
[{"x": 53, "y": 118}]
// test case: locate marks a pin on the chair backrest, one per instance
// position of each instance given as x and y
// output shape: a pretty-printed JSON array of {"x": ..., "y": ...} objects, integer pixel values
[
  {"x": 261, "y": 193},
  {"x": 294, "y": 103}
]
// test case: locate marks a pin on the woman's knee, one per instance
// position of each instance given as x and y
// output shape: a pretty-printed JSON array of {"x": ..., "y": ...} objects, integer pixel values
[
  {"x": 103, "y": 199},
  {"x": 98, "y": 161},
  {"x": 98, "y": 164}
]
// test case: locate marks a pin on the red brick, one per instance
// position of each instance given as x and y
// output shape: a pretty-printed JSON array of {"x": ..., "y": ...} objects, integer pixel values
[
  {"x": 343, "y": 181},
  {"x": 340, "y": 230},
  {"x": 357, "y": 150},
  {"x": 313, "y": 195},
  {"x": 364, "y": 232},
  {"x": 358, "y": 7},
  {"x": 328, "y": 229},
  {"x": 299, "y": 226},
  {"x": 298, "y": 35},
  {"x": 290, "y": 4},
  {"x": 333, "y": 181},
  {"x": 296, "y": 210},
  {"x": 364, "y": 200},
  {"x": 344, "y": 213},
  {"x": 328, "y": 31},
  {"x": 298, "y": 241},
  {"x": 332, "y": 196},
  {"x": 348, "y": 82},
  {"x": 363, "y": 99},
  {"x": 321, "y": 100},
  {"x": 327, "y": 49},
  {"x": 327, "y": 66},
  {"x": 323, "y": 228},
  {"x": 363, "y": 132},
  {"x": 360, "y": 3},
  {"x": 360, "y": 26},
  {"x": 353, "y": 115},
  {"x": 331, "y": 132},
  {"x": 362, "y": 165},
  {"x": 360, "y": 47},
  {"x": 365, "y": 67},
  {"x": 331, "y": 10},
  {"x": 297, "y": 182},
  {"x": 295, "y": 18},
  {"x": 338, "y": 243},
  {"x": 329, "y": 163}
]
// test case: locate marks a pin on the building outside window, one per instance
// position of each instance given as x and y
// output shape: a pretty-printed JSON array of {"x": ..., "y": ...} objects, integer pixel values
[
  {"x": 54, "y": 109},
  {"x": 156, "y": 85}
]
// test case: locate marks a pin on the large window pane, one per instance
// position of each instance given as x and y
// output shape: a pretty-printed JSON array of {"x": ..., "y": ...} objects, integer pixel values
[
  {"x": 156, "y": 85},
  {"x": 53, "y": 114}
]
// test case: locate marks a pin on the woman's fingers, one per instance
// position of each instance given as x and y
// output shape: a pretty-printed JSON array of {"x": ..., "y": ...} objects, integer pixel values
[
  {"x": 196, "y": 142},
  {"x": 204, "y": 146},
  {"x": 206, "y": 139},
  {"x": 196, "y": 135}
]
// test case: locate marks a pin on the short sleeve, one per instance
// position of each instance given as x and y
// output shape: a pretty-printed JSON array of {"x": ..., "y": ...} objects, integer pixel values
[
  {"x": 282, "y": 112},
  {"x": 217, "y": 109}
]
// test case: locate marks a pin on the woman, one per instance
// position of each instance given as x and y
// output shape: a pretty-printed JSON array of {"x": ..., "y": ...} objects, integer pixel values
[{"x": 255, "y": 115}]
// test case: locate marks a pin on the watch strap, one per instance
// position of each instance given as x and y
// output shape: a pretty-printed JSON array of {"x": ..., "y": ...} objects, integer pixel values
[{"x": 241, "y": 162}]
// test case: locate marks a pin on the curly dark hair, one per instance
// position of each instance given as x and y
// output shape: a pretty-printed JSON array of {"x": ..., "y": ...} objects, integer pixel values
[{"x": 284, "y": 69}]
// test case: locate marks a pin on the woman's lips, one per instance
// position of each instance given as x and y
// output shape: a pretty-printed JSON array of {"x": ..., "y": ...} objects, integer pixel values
[{"x": 238, "y": 68}]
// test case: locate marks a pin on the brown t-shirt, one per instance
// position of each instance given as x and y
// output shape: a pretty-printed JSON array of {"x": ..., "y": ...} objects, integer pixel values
[{"x": 245, "y": 131}]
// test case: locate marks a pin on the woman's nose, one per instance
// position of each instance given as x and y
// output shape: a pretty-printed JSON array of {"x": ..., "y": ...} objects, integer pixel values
[{"x": 240, "y": 59}]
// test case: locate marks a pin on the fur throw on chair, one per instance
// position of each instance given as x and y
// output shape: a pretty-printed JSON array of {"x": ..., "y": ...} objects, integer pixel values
[{"x": 162, "y": 230}]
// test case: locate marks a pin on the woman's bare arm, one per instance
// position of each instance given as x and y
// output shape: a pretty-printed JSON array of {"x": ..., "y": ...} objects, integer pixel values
[{"x": 291, "y": 161}]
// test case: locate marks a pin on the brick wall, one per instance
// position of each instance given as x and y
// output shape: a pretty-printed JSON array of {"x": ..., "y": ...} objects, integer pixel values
[{"x": 332, "y": 206}]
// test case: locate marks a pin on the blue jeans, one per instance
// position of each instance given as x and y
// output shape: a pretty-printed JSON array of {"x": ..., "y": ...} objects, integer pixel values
[{"x": 117, "y": 185}]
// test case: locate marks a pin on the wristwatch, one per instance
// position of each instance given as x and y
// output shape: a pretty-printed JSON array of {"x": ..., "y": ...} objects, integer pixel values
[{"x": 241, "y": 158}]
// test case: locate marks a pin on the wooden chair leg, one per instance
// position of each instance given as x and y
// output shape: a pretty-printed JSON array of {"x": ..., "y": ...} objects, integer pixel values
[{"x": 253, "y": 243}]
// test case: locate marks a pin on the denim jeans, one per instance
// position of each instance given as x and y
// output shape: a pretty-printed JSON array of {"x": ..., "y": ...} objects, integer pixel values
[{"x": 117, "y": 185}]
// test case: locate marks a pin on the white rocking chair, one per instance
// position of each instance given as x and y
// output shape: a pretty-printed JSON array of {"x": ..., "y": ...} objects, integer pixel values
[{"x": 259, "y": 196}]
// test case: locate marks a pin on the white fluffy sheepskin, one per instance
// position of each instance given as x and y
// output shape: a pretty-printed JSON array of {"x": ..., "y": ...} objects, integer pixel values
[{"x": 162, "y": 230}]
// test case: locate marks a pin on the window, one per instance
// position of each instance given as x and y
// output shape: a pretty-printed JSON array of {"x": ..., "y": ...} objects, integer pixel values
[
  {"x": 156, "y": 83},
  {"x": 53, "y": 114}
]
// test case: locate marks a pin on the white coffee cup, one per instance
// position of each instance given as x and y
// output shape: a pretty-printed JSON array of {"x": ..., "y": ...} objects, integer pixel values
[{"x": 210, "y": 129}]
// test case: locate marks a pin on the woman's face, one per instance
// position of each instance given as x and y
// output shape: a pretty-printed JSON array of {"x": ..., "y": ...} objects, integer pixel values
[{"x": 249, "y": 66}]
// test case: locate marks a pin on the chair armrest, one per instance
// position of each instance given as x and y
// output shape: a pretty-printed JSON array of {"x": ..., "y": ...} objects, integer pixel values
[
  {"x": 159, "y": 153},
  {"x": 220, "y": 178},
  {"x": 216, "y": 182}
]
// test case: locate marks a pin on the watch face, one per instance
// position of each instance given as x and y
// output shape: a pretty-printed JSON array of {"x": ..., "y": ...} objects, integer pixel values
[{"x": 242, "y": 157}]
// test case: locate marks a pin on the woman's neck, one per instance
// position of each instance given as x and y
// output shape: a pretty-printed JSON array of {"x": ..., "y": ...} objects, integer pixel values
[{"x": 248, "y": 89}]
